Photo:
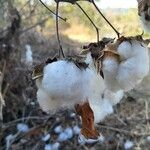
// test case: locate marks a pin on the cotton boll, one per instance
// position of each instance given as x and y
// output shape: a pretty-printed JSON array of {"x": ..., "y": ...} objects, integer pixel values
[
  {"x": 58, "y": 129},
  {"x": 69, "y": 132},
  {"x": 22, "y": 127},
  {"x": 54, "y": 92},
  {"x": 29, "y": 58},
  {"x": 48, "y": 147},
  {"x": 128, "y": 145},
  {"x": 46, "y": 137},
  {"x": 56, "y": 146},
  {"x": 76, "y": 130},
  {"x": 134, "y": 67}
]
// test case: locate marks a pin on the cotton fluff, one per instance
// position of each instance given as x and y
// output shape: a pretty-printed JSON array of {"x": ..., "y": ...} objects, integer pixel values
[
  {"x": 82, "y": 140},
  {"x": 22, "y": 127},
  {"x": 76, "y": 130},
  {"x": 128, "y": 145},
  {"x": 58, "y": 129},
  {"x": 69, "y": 132},
  {"x": 104, "y": 107},
  {"x": 132, "y": 68},
  {"x": 29, "y": 58},
  {"x": 62, "y": 137},
  {"x": 56, "y": 146},
  {"x": 66, "y": 134},
  {"x": 46, "y": 137},
  {"x": 148, "y": 138},
  {"x": 48, "y": 147}
]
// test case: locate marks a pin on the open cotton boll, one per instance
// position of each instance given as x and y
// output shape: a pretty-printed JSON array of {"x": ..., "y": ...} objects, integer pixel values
[
  {"x": 64, "y": 85},
  {"x": 134, "y": 65},
  {"x": 29, "y": 58},
  {"x": 22, "y": 127}
]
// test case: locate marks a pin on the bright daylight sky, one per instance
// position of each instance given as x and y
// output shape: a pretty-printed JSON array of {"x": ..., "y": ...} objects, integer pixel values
[{"x": 118, "y": 4}]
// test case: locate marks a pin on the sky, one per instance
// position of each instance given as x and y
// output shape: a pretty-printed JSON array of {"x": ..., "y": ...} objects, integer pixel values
[{"x": 117, "y": 4}]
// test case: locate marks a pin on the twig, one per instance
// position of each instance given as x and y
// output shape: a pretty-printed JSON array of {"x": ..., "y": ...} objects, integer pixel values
[
  {"x": 12, "y": 123},
  {"x": 64, "y": 19},
  {"x": 118, "y": 34},
  {"x": 57, "y": 33},
  {"x": 33, "y": 26},
  {"x": 96, "y": 28},
  {"x": 125, "y": 131}
]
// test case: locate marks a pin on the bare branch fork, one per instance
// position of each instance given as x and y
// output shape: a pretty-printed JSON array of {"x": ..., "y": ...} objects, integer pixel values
[
  {"x": 118, "y": 34},
  {"x": 96, "y": 28},
  {"x": 64, "y": 19}
]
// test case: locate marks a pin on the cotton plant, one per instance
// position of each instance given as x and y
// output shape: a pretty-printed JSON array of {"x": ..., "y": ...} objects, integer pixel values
[{"x": 70, "y": 83}]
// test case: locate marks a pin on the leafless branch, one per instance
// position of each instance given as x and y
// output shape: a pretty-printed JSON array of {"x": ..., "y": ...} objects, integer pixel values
[
  {"x": 64, "y": 19},
  {"x": 118, "y": 34},
  {"x": 33, "y": 26},
  {"x": 57, "y": 33},
  {"x": 96, "y": 28}
]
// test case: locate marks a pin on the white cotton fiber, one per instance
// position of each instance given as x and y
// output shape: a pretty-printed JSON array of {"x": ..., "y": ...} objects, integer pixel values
[
  {"x": 101, "y": 109},
  {"x": 46, "y": 137},
  {"x": 58, "y": 129},
  {"x": 22, "y": 127},
  {"x": 62, "y": 137},
  {"x": 76, "y": 130},
  {"x": 48, "y": 147},
  {"x": 110, "y": 70},
  {"x": 56, "y": 146},
  {"x": 134, "y": 65},
  {"x": 69, "y": 132},
  {"x": 128, "y": 145},
  {"x": 82, "y": 140},
  {"x": 64, "y": 85}
]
